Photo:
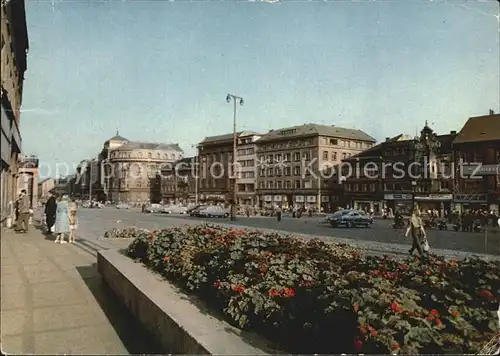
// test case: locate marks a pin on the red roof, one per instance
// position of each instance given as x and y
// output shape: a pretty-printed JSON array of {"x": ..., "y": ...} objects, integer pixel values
[{"x": 480, "y": 129}]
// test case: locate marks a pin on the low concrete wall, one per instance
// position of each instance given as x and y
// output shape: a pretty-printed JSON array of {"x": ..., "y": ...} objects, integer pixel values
[{"x": 178, "y": 324}]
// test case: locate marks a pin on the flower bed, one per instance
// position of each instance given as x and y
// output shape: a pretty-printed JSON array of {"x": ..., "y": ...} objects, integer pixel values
[
  {"x": 316, "y": 297},
  {"x": 128, "y": 233}
]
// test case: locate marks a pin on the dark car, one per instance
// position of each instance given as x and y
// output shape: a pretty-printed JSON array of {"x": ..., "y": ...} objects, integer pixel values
[
  {"x": 351, "y": 218},
  {"x": 194, "y": 211}
]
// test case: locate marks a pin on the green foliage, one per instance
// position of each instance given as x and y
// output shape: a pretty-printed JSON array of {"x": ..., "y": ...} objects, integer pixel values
[{"x": 316, "y": 297}]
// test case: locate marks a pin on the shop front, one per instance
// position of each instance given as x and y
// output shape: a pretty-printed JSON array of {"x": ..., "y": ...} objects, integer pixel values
[
  {"x": 368, "y": 206},
  {"x": 432, "y": 202},
  {"x": 466, "y": 202},
  {"x": 213, "y": 198},
  {"x": 402, "y": 203}
]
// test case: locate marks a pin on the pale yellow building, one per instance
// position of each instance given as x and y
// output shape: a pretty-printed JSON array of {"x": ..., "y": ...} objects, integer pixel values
[{"x": 130, "y": 171}]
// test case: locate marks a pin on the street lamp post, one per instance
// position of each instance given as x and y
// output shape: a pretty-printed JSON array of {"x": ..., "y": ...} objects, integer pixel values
[
  {"x": 90, "y": 180},
  {"x": 235, "y": 99},
  {"x": 319, "y": 192},
  {"x": 413, "y": 188}
]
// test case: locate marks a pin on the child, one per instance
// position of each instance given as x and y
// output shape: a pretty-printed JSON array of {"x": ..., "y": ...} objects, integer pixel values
[{"x": 73, "y": 224}]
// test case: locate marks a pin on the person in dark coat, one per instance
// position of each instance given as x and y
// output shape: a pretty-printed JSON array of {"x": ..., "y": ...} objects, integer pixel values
[{"x": 50, "y": 212}]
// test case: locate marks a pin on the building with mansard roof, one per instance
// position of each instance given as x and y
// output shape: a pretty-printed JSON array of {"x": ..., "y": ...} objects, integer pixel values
[{"x": 130, "y": 171}]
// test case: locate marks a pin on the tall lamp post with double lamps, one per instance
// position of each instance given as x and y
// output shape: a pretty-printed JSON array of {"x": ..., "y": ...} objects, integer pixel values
[{"x": 236, "y": 100}]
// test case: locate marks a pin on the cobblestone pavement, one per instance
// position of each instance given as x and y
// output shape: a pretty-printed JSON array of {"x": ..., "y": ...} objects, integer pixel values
[
  {"x": 378, "y": 240},
  {"x": 53, "y": 302}
]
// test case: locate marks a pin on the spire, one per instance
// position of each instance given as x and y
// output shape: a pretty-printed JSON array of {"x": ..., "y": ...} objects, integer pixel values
[{"x": 117, "y": 133}]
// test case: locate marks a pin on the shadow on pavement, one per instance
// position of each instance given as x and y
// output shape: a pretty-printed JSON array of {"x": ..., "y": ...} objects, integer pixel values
[{"x": 134, "y": 337}]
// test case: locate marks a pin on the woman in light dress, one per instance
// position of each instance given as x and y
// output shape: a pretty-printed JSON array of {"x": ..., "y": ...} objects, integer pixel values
[{"x": 61, "y": 226}]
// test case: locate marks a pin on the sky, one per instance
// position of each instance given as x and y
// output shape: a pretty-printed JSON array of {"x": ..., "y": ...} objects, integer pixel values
[{"x": 160, "y": 71}]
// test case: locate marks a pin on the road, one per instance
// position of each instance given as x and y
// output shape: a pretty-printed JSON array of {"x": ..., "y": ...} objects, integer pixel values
[{"x": 94, "y": 222}]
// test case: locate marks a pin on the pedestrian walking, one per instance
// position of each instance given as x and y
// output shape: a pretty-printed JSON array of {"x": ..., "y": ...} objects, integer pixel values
[
  {"x": 278, "y": 213},
  {"x": 16, "y": 208},
  {"x": 24, "y": 212},
  {"x": 416, "y": 228},
  {"x": 62, "y": 219},
  {"x": 50, "y": 212}
]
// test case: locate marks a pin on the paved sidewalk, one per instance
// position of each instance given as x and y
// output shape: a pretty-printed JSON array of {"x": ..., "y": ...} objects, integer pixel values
[{"x": 53, "y": 302}]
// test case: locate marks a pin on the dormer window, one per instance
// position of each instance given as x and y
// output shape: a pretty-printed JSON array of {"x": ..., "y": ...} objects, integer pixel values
[{"x": 288, "y": 132}]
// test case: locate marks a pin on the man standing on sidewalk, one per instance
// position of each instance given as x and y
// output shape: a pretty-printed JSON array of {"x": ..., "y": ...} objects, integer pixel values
[
  {"x": 24, "y": 211},
  {"x": 50, "y": 212}
]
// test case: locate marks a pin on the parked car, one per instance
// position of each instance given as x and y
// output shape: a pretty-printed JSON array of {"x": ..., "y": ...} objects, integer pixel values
[
  {"x": 335, "y": 215},
  {"x": 122, "y": 206},
  {"x": 213, "y": 212},
  {"x": 194, "y": 210},
  {"x": 153, "y": 208},
  {"x": 351, "y": 218},
  {"x": 174, "y": 209}
]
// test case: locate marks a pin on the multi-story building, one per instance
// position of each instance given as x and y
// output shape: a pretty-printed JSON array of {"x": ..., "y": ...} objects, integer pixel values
[
  {"x": 246, "y": 173},
  {"x": 14, "y": 47},
  {"x": 477, "y": 158},
  {"x": 179, "y": 181},
  {"x": 129, "y": 171},
  {"x": 28, "y": 177},
  {"x": 45, "y": 186},
  {"x": 296, "y": 164},
  {"x": 216, "y": 157},
  {"x": 402, "y": 173}
]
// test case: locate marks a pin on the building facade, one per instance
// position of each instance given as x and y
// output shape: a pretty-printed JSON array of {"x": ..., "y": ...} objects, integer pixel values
[
  {"x": 14, "y": 47},
  {"x": 216, "y": 157},
  {"x": 296, "y": 165},
  {"x": 131, "y": 171},
  {"x": 45, "y": 186},
  {"x": 28, "y": 177},
  {"x": 179, "y": 181},
  {"x": 477, "y": 158},
  {"x": 402, "y": 173}
]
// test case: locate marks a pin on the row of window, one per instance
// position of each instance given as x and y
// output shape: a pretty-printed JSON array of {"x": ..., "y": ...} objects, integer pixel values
[
  {"x": 286, "y": 157},
  {"x": 325, "y": 141},
  {"x": 165, "y": 156},
  {"x": 392, "y": 187},
  {"x": 288, "y": 184},
  {"x": 285, "y": 145},
  {"x": 246, "y": 151}
]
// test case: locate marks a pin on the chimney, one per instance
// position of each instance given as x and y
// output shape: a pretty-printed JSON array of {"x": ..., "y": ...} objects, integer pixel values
[
  {"x": 387, "y": 139},
  {"x": 453, "y": 132}
]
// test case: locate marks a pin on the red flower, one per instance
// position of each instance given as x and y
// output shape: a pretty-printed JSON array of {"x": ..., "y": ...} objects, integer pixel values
[
  {"x": 358, "y": 344},
  {"x": 395, "y": 347},
  {"x": 217, "y": 284},
  {"x": 486, "y": 294},
  {"x": 396, "y": 307},
  {"x": 455, "y": 313},
  {"x": 373, "y": 332},
  {"x": 274, "y": 293},
  {"x": 434, "y": 313},
  {"x": 438, "y": 322},
  {"x": 238, "y": 288},
  {"x": 363, "y": 330},
  {"x": 166, "y": 258},
  {"x": 288, "y": 292}
]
